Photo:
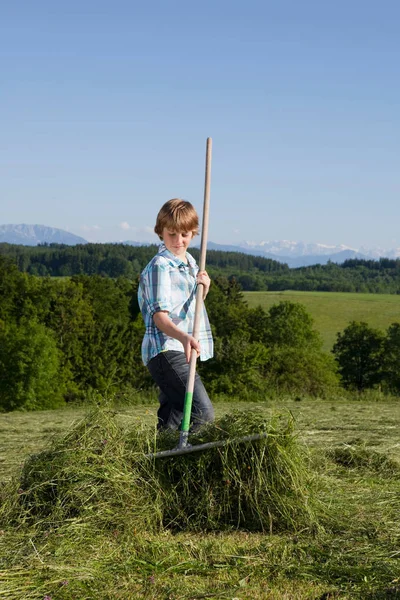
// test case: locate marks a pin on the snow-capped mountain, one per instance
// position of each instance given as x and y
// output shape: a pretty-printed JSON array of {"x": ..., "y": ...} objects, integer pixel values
[
  {"x": 287, "y": 248},
  {"x": 377, "y": 252},
  {"x": 300, "y": 254},
  {"x": 295, "y": 254}
]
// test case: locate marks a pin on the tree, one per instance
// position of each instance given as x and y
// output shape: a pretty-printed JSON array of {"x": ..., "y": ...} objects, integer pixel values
[
  {"x": 70, "y": 317},
  {"x": 11, "y": 282},
  {"x": 237, "y": 367},
  {"x": 30, "y": 374},
  {"x": 38, "y": 269},
  {"x": 237, "y": 364},
  {"x": 295, "y": 361},
  {"x": 391, "y": 358},
  {"x": 109, "y": 298},
  {"x": 226, "y": 308},
  {"x": 300, "y": 370},
  {"x": 358, "y": 351},
  {"x": 112, "y": 358},
  {"x": 289, "y": 324},
  {"x": 114, "y": 266}
]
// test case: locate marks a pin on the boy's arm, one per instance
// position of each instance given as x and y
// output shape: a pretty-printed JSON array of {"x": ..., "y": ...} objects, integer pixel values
[{"x": 164, "y": 323}]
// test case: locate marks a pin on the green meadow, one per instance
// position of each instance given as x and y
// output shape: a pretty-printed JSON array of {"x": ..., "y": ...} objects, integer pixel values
[
  {"x": 333, "y": 311},
  {"x": 353, "y": 454}
]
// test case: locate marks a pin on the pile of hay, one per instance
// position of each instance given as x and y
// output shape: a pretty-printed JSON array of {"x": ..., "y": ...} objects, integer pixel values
[{"x": 98, "y": 476}]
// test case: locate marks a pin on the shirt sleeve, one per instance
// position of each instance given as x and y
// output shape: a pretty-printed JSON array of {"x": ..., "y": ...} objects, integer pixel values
[{"x": 158, "y": 284}]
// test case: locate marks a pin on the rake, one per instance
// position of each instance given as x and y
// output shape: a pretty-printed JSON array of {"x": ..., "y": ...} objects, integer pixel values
[{"x": 183, "y": 446}]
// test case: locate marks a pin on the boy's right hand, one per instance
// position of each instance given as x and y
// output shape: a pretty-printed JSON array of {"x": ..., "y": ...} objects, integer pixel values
[
  {"x": 190, "y": 343},
  {"x": 164, "y": 324}
]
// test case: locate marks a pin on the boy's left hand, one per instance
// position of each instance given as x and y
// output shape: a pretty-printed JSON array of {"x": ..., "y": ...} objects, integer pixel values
[{"x": 204, "y": 280}]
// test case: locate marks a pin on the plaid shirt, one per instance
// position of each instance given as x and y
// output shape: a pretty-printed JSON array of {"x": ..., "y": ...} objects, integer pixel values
[{"x": 169, "y": 284}]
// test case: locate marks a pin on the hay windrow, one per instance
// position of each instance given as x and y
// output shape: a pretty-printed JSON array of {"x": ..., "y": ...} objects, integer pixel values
[
  {"x": 358, "y": 456},
  {"x": 97, "y": 476}
]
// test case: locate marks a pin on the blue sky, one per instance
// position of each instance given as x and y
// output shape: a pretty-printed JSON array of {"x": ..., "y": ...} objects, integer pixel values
[{"x": 105, "y": 108}]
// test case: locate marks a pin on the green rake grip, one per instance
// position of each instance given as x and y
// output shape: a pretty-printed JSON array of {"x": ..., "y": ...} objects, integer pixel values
[{"x": 187, "y": 412}]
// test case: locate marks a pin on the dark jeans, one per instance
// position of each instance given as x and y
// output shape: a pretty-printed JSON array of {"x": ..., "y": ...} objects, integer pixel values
[{"x": 170, "y": 371}]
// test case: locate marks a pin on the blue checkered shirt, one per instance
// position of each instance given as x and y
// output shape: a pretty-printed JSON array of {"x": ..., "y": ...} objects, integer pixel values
[{"x": 169, "y": 284}]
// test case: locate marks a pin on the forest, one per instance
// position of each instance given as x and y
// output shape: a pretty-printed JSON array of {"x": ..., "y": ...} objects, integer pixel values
[
  {"x": 253, "y": 273},
  {"x": 62, "y": 339}
]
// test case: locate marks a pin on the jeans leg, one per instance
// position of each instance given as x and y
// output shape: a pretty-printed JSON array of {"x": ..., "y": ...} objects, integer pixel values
[
  {"x": 170, "y": 371},
  {"x": 164, "y": 410},
  {"x": 202, "y": 409},
  {"x": 170, "y": 412}
]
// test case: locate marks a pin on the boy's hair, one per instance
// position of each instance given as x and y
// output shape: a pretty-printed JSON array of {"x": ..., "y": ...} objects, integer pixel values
[{"x": 177, "y": 215}]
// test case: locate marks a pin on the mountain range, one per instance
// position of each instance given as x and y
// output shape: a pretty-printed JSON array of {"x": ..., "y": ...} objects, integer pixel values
[
  {"x": 300, "y": 254},
  {"x": 295, "y": 254},
  {"x": 32, "y": 235}
]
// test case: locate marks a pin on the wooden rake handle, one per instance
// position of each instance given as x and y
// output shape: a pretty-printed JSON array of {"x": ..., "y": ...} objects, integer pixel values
[{"x": 187, "y": 410}]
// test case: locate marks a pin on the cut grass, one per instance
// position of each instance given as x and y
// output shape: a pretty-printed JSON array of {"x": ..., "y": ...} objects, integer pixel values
[
  {"x": 357, "y": 456},
  {"x": 103, "y": 478},
  {"x": 333, "y": 311},
  {"x": 355, "y": 554},
  {"x": 319, "y": 424}
]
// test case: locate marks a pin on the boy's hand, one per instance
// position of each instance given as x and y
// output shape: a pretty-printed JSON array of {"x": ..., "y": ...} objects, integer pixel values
[
  {"x": 164, "y": 324},
  {"x": 189, "y": 343},
  {"x": 204, "y": 280}
]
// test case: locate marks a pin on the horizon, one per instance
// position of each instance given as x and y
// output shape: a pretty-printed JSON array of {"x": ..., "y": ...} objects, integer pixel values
[
  {"x": 372, "y": 251},
  {"x": 106, "y": 110}
]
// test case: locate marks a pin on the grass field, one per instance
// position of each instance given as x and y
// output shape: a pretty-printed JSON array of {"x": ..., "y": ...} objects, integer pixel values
[
  {"x": 333, "y": 311},
  {"x": 354, "y": 452}
]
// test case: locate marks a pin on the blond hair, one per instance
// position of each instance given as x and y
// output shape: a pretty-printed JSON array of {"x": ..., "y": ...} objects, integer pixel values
[{"x": 177, "y": 215}]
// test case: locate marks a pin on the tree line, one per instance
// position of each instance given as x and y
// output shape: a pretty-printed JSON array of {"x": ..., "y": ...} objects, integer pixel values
[
  {"x": 61, "y": 339},
  {"x": 253, "y": 273}
]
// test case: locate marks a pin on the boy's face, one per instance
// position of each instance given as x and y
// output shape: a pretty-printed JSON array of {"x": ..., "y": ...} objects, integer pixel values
[{"x": 177, "y": 241}]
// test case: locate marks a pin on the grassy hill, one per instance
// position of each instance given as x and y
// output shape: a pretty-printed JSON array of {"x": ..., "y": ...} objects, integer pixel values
[{"x": 332, "y": 311}]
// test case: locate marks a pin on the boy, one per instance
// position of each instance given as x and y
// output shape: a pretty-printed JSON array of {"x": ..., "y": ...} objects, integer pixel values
[{"x": 167, "y": 299}]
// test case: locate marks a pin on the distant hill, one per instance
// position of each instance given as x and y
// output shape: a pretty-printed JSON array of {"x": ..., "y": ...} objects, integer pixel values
[
  {"x": 293, "y": 261},
  {"x": 293, "y": 254},
  {"x": 321, "y": 259},
  {"x": 288, "y": 248},
  {"x": 338, "y": 255},
  {"x": 32, "y": 235},
  {"x": 332, "y": 312}
]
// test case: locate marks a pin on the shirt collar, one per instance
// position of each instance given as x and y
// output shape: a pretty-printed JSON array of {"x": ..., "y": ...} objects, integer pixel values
[{"x": 175, "y": 260}]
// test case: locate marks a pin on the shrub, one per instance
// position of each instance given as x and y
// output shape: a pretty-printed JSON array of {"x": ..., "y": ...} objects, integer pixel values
[
  {"x": 301, "y": 370},
  {"x": 391, "y": 359},
  {"x": 30, "y": 376}
]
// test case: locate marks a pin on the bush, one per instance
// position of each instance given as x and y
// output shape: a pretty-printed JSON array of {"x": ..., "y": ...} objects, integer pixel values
[
  {"x": 30, "y": 376},
  {"x": 391, "y": 359},
  {"x": 301, "y": 371}
]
